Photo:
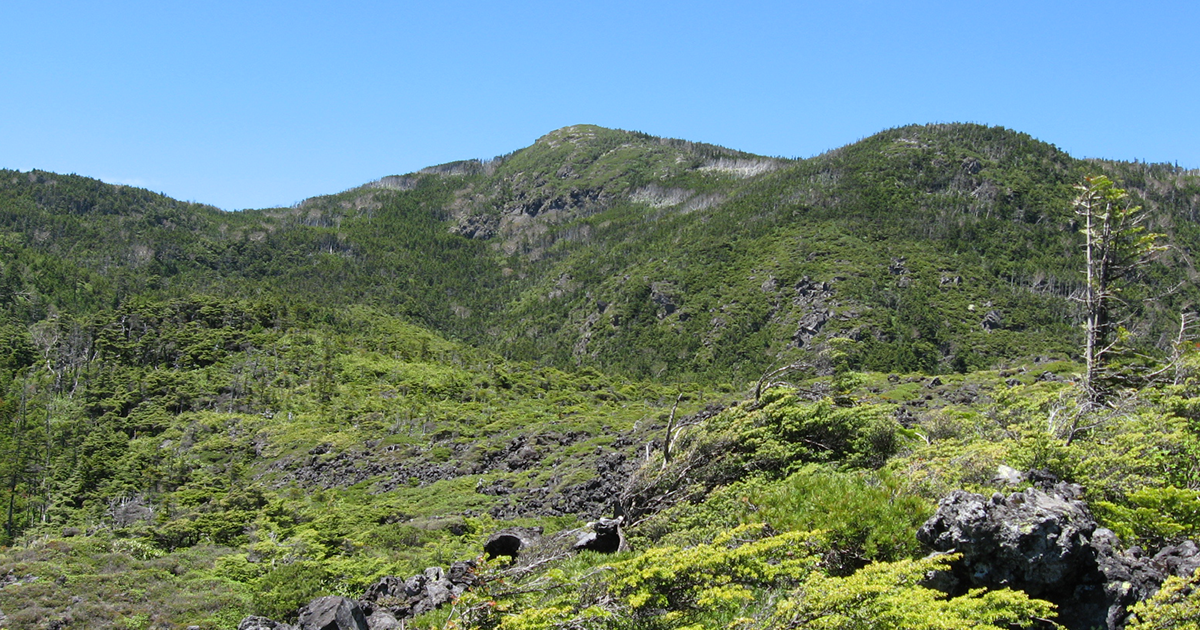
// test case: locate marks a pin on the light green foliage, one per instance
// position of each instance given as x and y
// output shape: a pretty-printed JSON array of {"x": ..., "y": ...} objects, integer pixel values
[
  {"x": 750, "y": 577},
  {"x": 677, "y": 586},
  {"x": 889, "y": 595},
  {"x": 1153, "y": 517},
  {"x": 1175, "y": 607},
  {"x": 863, "y": 517},
  {"x": 785, "y": 431},
  {"x": 96, "y": 582}
]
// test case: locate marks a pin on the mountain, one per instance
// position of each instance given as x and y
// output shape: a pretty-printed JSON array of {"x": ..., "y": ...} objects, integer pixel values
[
  {"x": 618, "y": 250},
  {"x": 205, "y": 414}
]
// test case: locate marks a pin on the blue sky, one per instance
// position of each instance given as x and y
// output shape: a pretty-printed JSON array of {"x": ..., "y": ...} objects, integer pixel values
[{"x": 254, "y": 104}]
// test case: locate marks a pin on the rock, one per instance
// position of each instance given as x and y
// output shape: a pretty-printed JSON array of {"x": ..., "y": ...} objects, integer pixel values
[
  {"x": 383, "y": 620},
  {"x": 1031, "y": 540},
  {"x": 510, "y": 541},
  {"x": 438, "y": 591},
  {"x": 254, "y": 622},
  {"x": 418, "y": 594},
  {"x": 332, "y": 613},
  {"x": 993, "y": 320},
  {"x": 1179, "y": 560},
  {"x": 1045, "y": 542},
  {"x": 665, "y": 298},
  {"x": 606, "y": 537},
  {"x": 462, "y": 575},
  {"x": 1007, "y": 475}
]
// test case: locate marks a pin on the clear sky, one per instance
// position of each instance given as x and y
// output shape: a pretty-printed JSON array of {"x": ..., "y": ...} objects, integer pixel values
[{"x": 252, "y": 104}]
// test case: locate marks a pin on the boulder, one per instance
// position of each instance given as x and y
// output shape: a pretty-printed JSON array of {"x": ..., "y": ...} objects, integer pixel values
[
  {"x": 1045, "y": 542},
  {"x": 606, "y": 536},
  {"x": 1033, "y": 540},
  {"x": 510, "y": 541},
  {"x": 418, "y": 594},
  {"x": 383, "y": 620},
  {"x": 254, "y": 622},
  {"x": 462, "y": 575},
  {"x": 1180, "y": 560},
  {"x": 332, "y": 613}
]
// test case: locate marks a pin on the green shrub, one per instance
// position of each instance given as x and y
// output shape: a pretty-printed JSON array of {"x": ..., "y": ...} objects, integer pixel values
[
  {"x": 889, "y": 595},
  {"x": 279, "y": 593},
  {"x": 1153, "y": 517},
  {"x": 1176, "y": 606}
]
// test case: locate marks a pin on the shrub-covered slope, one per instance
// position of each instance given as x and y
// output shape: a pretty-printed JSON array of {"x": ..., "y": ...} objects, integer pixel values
[{"x": 268, "y": 406}]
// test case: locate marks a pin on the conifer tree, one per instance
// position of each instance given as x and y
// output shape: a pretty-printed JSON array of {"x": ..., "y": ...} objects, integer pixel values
[{"x": 1116, "y": 244}]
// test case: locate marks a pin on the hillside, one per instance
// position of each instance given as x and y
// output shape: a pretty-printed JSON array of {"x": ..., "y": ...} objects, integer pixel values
[
  {"x": 655, "y": 257},
  {"x": 206, "y": 415}
]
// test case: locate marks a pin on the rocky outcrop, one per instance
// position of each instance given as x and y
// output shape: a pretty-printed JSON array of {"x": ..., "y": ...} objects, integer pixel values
[
  {"x": 333, "y": 613},
  {"x": 1034, "y": 541},
  {"x": 418, "y": 594},
  {"x": 254, "y": 622},
  {"x": 993, "y": 320},
  {"x": 814, "y": 300},
  {"x": 384, "y": 604},
  {"x": 1045, "y": 542}
]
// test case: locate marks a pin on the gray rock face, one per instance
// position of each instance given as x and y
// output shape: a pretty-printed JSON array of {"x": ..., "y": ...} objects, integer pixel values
[
  {"x": 1031, "y": 540},
  {"x": 992, "y": 321},
  {"x": 1046, "y": 543},
  {"x": 418, "y": 594},
  {"x": 332, "y": 613},
  {"x": 262, "y": 623},
  {"x": 383, "y": 620}
]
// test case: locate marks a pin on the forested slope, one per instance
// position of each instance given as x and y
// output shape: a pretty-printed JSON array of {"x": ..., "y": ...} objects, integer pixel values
[{"x": 205, "y": 415}]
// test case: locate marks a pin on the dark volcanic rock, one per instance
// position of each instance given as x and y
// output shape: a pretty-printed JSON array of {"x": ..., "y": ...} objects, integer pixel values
[
  {"x": 1031, "y": 540},
  {"x": 332, "y": 613},
  {"x": 1179, "y": 560},
  {"x": 383, "y": 620},
  {"x": 1045, "y": 542},
  {"x": 510, "y": 541},
  {"x": 419, "y": 594},
  {"x": 605, "y": 537},
  {"x": 261, "y": 623}
]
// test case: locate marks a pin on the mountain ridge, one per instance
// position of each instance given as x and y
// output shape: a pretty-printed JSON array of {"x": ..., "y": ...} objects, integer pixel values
[{"x": 578, "y": 215}]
